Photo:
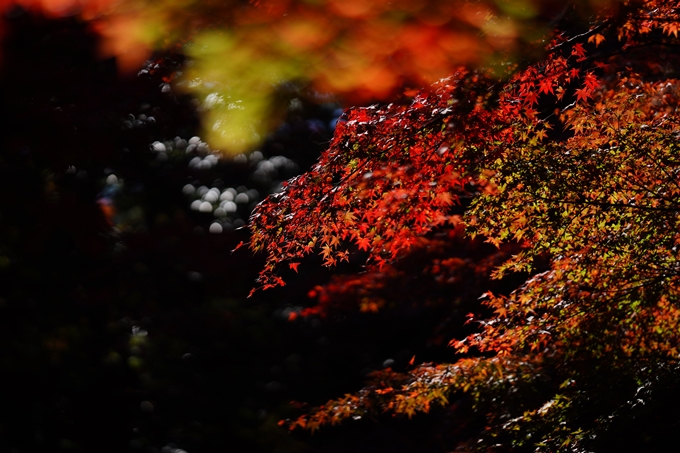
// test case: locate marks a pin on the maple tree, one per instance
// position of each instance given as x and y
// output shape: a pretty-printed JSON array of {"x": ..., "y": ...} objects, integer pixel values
[
  {"x": 571, "y": 158},
  {"x": 562, "y": 155}
]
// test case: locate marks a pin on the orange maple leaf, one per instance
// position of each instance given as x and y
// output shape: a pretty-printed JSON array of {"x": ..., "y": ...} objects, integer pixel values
[
  {"x": 596, "y": 38},
  {"x": 671, "y": 29}
]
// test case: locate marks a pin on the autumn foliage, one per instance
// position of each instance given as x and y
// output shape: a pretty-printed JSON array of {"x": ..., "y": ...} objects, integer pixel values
[
  {"x": 571, "y": 158},
  {"x": 360, "y": 51},
  {"x": 530, "y": 193}
]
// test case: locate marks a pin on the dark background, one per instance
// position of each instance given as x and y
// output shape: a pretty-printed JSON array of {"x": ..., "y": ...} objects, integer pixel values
[{"x": 125, "y": 323}]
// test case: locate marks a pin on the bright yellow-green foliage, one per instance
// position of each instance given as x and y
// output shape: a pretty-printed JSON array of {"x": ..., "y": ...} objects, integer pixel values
[{"x": 604, "y": 205}]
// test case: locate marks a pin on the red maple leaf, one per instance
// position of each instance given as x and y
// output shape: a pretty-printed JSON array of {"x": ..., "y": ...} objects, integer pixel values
[
  {"x": 545, "y": 85},
  {"x": 583, "y": 94},
  {"x": 578, "y": 51},
  {"x": 363, "y": 243},
  {"x": 590, "y": 81},
  {"x": 531, "y": 98}
]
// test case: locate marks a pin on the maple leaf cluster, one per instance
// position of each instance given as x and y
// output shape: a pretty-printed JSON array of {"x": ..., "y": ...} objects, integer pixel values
[
  {"x": 444, "y": 264},
  {"x": 574, "y": 160},
  {"x": 383, "y": 184}
]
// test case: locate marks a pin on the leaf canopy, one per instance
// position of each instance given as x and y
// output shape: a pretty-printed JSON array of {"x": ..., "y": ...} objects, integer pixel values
[{"x": 573, "y": 159}]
